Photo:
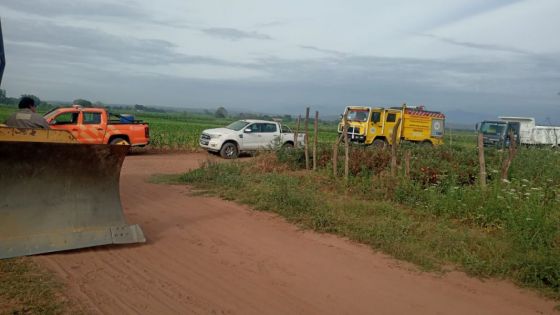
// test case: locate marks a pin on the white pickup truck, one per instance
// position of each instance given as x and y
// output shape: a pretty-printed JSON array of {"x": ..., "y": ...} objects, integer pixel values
[{"x": 248, "y": 135}]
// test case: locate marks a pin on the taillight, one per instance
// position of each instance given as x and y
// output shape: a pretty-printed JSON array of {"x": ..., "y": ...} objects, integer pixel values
[{"x": 147, "y": 132}]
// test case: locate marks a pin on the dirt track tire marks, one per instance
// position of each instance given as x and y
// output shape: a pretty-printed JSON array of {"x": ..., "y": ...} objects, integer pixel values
[{"x": 205, "y": 255}]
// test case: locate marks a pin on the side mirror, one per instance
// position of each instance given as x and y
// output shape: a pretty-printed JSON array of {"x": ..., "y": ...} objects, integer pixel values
[
  {"x": 476, "y": 127},
  {"x": 52, "y": 122},
  {"x": 247, "y": 130}
]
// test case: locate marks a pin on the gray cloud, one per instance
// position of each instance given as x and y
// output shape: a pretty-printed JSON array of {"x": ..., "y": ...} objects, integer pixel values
[
  {"x": 357, "y": 79},
  {"x": 64, "y": 43},
  {"x": 326, "y": 85},
  {"x": 468, "y": 10},
  {"x": 54, "y": 8},
  {"x": 477, "y": 45},
  {"x": 234, "y": 34},
  {"x": 292, "y": 97},
  {"x": 324, "y": 51}
]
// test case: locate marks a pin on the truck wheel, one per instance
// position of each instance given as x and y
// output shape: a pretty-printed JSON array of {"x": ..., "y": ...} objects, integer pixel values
[
  {"x": 119, "y": 141},
  {"x": 288, "y": 146},
  {"x": 229, "y": 151},
  {"x": 379, "y": 143},
  {"x": 427, "y": 143}
]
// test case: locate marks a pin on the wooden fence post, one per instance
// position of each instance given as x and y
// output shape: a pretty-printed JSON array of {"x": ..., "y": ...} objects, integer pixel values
[
  {"x": 315, "y": 136},
  {"x": 296, "y": 134},
  {"x": 481, "y": 160},
  {"x": 335, "y": 155},
  {"x": 394, "y": 138},
  {"x": 307, "y": 138},
  {"x": 512, "y": 151},
  {"x": 407, "y": 164},
  {"x": 346, "y": 147}
]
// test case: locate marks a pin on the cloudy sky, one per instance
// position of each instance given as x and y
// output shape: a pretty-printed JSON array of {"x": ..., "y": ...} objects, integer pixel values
[{"x": 458, "y": 56}]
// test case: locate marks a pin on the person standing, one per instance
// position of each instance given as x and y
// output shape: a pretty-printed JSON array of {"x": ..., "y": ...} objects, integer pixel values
[{"x": 26, "y": 116}]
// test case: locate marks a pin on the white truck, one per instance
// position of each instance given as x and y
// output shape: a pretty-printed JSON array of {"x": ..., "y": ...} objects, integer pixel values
[
  {"x": 530, "y": 133},
  {"x": 525, "y": 130},
  {"x": 248, "y": 135}
]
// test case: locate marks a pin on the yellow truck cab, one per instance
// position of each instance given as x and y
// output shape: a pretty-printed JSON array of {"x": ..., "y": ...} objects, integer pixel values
[{"x": 374, "y": 125}]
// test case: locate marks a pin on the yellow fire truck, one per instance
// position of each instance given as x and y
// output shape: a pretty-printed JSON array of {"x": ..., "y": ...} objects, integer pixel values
[{"x": 374, "y": 125}]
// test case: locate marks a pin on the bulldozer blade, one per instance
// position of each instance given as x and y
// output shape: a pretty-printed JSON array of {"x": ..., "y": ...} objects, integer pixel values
[
  {"x": 61, "y": 196},
  {"x": 2, "y": 56}
]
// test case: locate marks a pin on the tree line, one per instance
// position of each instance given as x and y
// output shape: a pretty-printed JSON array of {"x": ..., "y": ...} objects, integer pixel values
[
  {"x": 14, "y": 101},
  {"x": 220, "y": 112}
]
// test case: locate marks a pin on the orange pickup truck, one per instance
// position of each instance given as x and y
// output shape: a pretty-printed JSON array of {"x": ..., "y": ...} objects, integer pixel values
[{"x": 95, "y": 126}]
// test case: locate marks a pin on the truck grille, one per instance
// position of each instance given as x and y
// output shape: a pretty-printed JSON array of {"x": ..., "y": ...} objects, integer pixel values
[
  {"x": 354, "y": 130},
  {"x": 204, "y": 139}
]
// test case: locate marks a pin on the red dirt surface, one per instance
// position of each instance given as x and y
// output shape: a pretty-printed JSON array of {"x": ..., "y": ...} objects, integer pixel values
[{"x": 206, "y": 255}]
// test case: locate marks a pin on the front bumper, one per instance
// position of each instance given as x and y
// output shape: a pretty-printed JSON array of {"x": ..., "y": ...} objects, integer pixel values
[
  {"x": 355, "y": 138},
  {"x": 209, "y": 144},
  {"x": 492, "y": 142}
]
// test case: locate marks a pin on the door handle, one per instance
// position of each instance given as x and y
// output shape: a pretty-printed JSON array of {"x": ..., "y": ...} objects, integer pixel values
[
  {"x": 74, "y": 129},
  {"x": 100, "y": 129}
]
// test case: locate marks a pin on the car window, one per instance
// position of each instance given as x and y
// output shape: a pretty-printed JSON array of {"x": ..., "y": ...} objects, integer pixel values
[
  {"x": 254, "y": 127},
  {"x": 237, "y": 125},
  {"x": 67, "y": 118},
  {"x": 286, "y": 129},
  {"x": 91, "y": 118},
  {"x": 360, "y": 115},
  {"x": 268, "y": 128},
  {"x": 391, "y": 118}
]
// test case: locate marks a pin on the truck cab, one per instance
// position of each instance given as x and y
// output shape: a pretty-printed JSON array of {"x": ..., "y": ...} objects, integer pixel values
[{"x": 495, "y": 132}]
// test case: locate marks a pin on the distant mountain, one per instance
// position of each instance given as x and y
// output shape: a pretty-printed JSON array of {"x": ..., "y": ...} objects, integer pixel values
[{"x": 461, "y": 119}]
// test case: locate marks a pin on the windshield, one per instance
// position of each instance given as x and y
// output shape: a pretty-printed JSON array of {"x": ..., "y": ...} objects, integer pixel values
[
  {"x": 50, "y": 113},
  {"x": 360, "y": 115},
  {"x": 492, "y": 128},
  {"x": 238, "y": 125}
]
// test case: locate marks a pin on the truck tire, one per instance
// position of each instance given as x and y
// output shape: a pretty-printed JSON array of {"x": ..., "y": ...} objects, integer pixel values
[
  {"x": 229, "y": 151},
  {"x": 427, "y": 143},
  {"x": 288, "y": 146},
  {"x": 119, "y": 141},
  {"x": 379, "y": 143}
]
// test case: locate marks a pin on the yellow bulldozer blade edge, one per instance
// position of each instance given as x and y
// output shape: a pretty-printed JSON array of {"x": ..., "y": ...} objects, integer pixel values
[{"x": 61, "y": 196}]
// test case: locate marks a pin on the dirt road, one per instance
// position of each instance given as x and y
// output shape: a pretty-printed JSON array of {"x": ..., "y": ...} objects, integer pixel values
[{"x": 209, "y": 256}]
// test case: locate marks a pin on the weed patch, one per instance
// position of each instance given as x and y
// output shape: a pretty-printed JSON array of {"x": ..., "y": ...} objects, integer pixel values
[{"x": 26, "y": 289}]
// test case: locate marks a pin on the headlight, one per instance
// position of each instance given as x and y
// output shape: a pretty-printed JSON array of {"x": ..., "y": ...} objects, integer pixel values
[{"x": 215, "y": 136}]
